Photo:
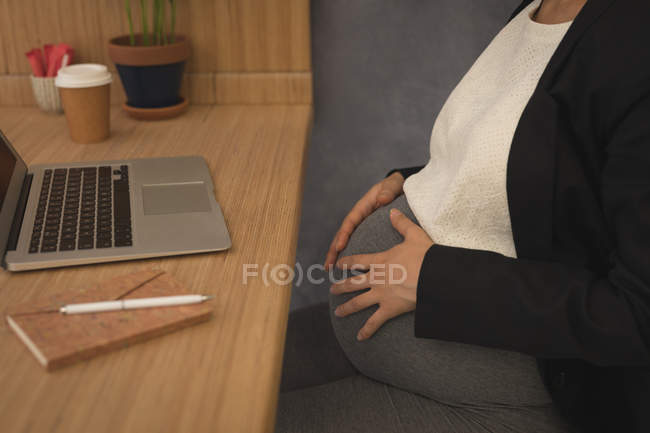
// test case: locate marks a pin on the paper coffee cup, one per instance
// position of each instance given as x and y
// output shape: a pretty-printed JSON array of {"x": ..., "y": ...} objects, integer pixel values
[{"x": 85, "y": 94}]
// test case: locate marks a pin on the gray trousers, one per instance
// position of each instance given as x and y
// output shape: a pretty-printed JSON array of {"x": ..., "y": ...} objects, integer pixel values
[{"x": 395, "y": 382}]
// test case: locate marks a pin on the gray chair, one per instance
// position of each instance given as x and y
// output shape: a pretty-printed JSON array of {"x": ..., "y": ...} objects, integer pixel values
[{"x": 382, "y": 70}]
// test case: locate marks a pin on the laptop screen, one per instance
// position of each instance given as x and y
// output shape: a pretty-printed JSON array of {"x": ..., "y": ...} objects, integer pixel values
[
  {"x": 12, "y": 176},
  {"x": 7, "y": 166}
]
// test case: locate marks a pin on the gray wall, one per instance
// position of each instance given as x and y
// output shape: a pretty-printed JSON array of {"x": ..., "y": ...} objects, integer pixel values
[{"x": 382, "y": 70}]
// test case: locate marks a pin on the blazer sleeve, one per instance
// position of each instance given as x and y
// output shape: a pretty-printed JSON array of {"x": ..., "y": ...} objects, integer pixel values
[
  {"x": 521, "y": 7},
  {"x": 551, "y": 309},
  {"x": 407, "y": 171}
]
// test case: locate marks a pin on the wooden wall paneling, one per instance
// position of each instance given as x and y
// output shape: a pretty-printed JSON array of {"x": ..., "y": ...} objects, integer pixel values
[
  {"x": 300, "y": 23},
  {"x": 229, "y": 37},
  {"x": 264, "y": 88},
  {"x": 3, "y": 60},
  {"x": 25, "y": 24},
  {"x": 19, "y": 32},
  {"x": 200, "y": 88},
  {"x": 3, "y": 40},
  {"x": 85, "y": 30},
  {"x": 262, "y": 35},
  {"x": 113, "y": 23},
  {"x": 16, "y": 90},
  {"x": 85, "y": 25},
  {"x": 196, "y": 18}
]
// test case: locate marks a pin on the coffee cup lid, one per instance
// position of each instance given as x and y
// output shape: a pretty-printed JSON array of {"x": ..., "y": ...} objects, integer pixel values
[{"x": 83, "y": 75}]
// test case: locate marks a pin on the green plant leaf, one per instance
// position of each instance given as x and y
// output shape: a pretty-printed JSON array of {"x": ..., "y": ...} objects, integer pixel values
[
  {"x": 145, "y": 30},
  {"x": 154, "y": 23},
  {"x": 127, "y": 6},
  {"x": 172, "y": 32},
  {"x": 162, "y": 23}
]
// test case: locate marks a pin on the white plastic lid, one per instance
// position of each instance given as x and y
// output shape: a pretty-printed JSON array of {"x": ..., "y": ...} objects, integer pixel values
[{"x": 83, "y": 75}]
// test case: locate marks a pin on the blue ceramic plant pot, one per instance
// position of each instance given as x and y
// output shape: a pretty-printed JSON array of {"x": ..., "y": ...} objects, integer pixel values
[
  {"x": 152, "y": 86},
  {"x": 151, "y": 75}
]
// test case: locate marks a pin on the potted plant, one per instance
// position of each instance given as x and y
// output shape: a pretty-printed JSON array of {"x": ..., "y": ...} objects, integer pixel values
[{"x": 151, "y": 63}]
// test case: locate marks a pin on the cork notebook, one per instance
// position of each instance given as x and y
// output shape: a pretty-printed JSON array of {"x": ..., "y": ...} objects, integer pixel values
[{"x": 58, "y": 339}]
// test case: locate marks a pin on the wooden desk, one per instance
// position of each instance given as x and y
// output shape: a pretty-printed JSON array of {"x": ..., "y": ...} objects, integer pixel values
[{"x": 219, "y": 376}]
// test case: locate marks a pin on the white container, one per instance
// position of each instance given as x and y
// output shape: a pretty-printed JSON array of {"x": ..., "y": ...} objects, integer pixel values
[{"x": 46, "y": 94}]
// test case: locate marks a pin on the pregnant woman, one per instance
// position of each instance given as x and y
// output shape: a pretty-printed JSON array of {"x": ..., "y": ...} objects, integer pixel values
[{"x": 524, "y": 244}]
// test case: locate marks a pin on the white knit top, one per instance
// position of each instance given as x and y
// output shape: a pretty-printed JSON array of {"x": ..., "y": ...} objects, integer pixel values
[{"x": 459, "y": 197}]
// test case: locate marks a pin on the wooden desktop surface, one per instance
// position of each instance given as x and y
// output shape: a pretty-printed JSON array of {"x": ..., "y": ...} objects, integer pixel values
[{"x": 219, "y": 376}]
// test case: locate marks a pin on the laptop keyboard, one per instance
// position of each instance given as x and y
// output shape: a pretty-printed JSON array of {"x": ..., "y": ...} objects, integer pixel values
[{"x": 82, "y": 208}]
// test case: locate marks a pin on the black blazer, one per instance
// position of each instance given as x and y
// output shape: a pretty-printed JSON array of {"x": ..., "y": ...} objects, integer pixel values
[{"x": 578, "y": 295}]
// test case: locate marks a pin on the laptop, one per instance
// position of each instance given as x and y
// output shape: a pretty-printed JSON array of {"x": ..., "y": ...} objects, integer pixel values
[{"x": 68, "y": 214}]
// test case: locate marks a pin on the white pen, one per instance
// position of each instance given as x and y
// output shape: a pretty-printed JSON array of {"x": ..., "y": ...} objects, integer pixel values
[{"x": 130, "y": 304}]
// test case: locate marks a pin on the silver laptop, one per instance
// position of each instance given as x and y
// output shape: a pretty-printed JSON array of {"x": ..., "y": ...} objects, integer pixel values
[{"x": 90, "y": 212}]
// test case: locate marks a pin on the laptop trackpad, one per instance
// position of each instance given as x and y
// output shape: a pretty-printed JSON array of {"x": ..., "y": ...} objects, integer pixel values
[{"x": 168, "y": 198}]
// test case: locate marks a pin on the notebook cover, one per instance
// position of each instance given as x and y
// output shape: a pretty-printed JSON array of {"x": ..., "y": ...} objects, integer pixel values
[{"x": 58, "y": 339}]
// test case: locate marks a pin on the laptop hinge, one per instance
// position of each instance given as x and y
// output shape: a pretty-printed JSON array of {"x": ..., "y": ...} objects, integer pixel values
[{"x": 12, "y": 241}]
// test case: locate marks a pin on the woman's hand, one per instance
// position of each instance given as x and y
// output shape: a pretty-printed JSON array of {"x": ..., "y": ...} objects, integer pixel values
[
  {"x": 394, "y": 297},
  {"x": 381, "y": 194}
]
